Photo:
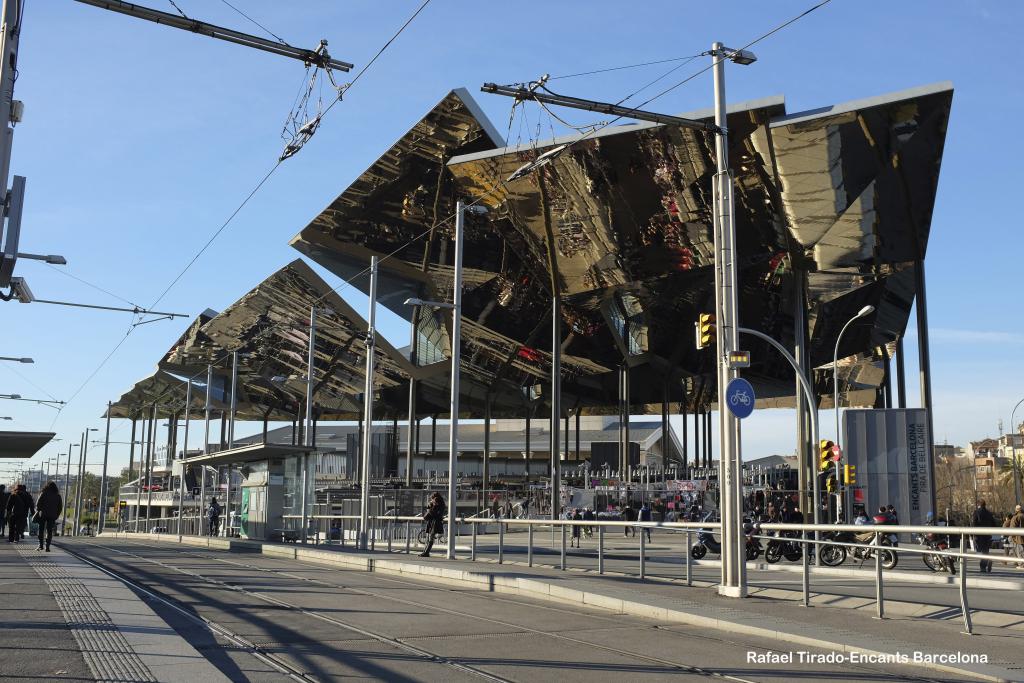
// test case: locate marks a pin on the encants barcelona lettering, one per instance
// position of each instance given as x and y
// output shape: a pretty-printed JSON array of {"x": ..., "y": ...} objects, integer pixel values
[{"x": 916, "y": 441}]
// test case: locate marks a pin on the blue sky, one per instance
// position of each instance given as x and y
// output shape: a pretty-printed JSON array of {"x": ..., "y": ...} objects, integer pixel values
[{"x": 139, "y": 140}]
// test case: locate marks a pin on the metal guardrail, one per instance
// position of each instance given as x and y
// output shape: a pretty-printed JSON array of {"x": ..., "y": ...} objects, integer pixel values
[{"x": 395, "y": 527}]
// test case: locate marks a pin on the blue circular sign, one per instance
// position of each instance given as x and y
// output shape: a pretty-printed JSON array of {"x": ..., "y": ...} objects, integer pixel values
[{"x": 739, "y": 396}]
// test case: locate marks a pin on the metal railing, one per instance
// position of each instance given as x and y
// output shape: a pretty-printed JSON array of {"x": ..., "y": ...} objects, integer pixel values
[{"x": 406, "y": 530}]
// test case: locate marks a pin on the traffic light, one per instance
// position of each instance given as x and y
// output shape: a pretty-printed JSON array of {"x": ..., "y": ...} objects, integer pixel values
[
  {"x": 825, "y": 455},
  {"x": 830, "y": 484},
  {"x": 849, "y": 474},
  {"x": 706, "y": 331}
]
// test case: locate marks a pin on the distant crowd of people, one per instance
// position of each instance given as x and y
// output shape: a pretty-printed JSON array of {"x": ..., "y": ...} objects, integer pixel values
[{"x": 17, "y": 507}]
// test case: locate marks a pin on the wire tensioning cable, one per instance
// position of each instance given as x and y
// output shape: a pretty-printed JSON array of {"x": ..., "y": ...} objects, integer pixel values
[{"x": 256, "y": 23}]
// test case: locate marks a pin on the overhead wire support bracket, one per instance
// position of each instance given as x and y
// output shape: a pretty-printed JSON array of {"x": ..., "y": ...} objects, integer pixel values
[
  {"x": 318, "y": 57},
  {"x": 135, "y": 309},
  {"x": 531, "y": 93}
]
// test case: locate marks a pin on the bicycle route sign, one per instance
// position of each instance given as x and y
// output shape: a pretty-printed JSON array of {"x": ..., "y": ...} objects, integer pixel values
[{"x": 739, "y": 396}]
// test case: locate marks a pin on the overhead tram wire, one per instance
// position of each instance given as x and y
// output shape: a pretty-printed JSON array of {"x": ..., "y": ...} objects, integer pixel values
[
  {"x": 256, "y": 23},
  {"x": 254, "y": 191},
  {"x": 504, "y": 182},
  {"x": 66, "y": 273},
  {"x": 688, "y": 78},
  {"x": 622, "y": 68}
]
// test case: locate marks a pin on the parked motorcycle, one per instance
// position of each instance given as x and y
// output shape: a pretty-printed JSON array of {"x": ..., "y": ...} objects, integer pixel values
[
  {"x": 832, "y": 555},
  {"x": 706, "y": 543},
  {"x": 782, "y": 546},
  {"x": 938, "y": 562}
]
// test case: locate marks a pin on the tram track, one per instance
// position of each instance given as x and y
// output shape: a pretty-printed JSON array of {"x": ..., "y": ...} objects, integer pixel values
[
  {"x": 569, "y": 640},
  {"x": 278, "y": 661}
]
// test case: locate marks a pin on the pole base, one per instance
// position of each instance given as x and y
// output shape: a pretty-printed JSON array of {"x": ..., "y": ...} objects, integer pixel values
[{"x": 733, "y": 591}]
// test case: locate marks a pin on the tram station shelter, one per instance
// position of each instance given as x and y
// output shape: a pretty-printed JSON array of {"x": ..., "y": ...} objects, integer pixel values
[{"x": 602, "y": 243}]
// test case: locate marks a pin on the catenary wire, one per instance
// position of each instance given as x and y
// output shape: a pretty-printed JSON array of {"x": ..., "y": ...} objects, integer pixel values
[
  {"x": 85, "y": 282},
  {"x": 252, "y": 193},
  {"x": 621, "y": 68},
  {"x": 503, "y": 182},
  {"x": 253, "y": 21}
]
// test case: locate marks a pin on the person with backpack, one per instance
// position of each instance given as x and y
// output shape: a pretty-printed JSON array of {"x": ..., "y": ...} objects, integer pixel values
[
  {"x": 48, "y": 509},
  {"x": 213, "y": 516}
]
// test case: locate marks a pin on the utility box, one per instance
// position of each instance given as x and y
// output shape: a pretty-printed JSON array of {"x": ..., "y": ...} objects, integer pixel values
[{"x": 891, "y": 450}]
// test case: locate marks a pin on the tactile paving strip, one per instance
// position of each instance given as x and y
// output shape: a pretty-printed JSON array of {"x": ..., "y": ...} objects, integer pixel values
[{"x": 106, "y": 651}]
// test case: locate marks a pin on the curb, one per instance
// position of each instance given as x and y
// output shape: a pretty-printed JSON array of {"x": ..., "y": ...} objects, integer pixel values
[{"x": 543, "y": 590}]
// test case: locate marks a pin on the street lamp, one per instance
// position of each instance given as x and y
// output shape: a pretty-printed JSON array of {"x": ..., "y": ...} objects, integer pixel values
[
  {"x": 13, "y": 397},
  {"x": 453, "y": 408},
  {"x": 867, "y": 310},
  {"x": 16, "y": 359},
  {"x": 1016, "y": 463}
]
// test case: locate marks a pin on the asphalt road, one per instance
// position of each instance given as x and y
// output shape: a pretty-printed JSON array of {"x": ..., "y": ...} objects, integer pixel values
[{"x": 332, "y": 624}]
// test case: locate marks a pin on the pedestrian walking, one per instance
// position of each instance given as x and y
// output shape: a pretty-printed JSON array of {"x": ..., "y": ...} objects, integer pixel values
[
  {"x": 1017, "y": 522},
  {"x": 434, "y": 517},
  {"x": 983, "y": 542},
  {"x": 4, "y": 496},
  {"x": 629, "y": 515},
  {"x": 19, "y": 506},
  {"x": 48, "y": 509},
  {"x": 213, "y": 517},
  {"x": 575, "y": 540},
  {"x": 589, "y": 516},
  {"x": 645, "y": 516}
]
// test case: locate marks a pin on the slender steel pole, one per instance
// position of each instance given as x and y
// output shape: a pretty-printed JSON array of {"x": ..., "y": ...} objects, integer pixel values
[
  {"x": 149, "y": 466},
  {"x": 184, "y": 454},
  {"x": 101, "y": 512},
  {"x": 67, "y": 491},
  {"x": 310, "y": 378},
  {"x": 234, "y": 399},
  {"x": 78, "y": 487},
  {"x": 925, "y": 371},
  {"x": 453, "y": 401},
  {"x": 901, "y": 374},
  {"x": 733, "y": 581},
  {"x": 371, "y": 332},
  {"x": 556, "y": 403},
  {"x": 231, "y": 441},
  {"x": 206, "y": 445},
  {"x": 800, "y": 354}
]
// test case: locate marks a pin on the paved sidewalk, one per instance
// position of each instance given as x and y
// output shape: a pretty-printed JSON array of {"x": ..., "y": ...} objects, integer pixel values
[
  {"x": 788, "y": 623},
  {"x": 64, "y": 620}
]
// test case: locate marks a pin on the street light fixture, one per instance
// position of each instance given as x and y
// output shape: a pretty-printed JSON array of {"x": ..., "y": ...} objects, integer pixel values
[
  {"x": 13, "y": 397},
  {"x": 16, "y": 359},
  {"x": 867, "y": 310},
  {"x": 453, "y": 407}
]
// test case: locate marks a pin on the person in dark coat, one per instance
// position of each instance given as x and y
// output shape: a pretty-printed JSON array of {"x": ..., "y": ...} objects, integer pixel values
[
  {"x": 4, "y": 496},
  {"x": 213, "y": 516},
  {"x": 48, "y": 509},
  {"x": 983, "y": 542},
  {"x": 436, "y": 510},
  {"x": 19, "y": 506}
]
